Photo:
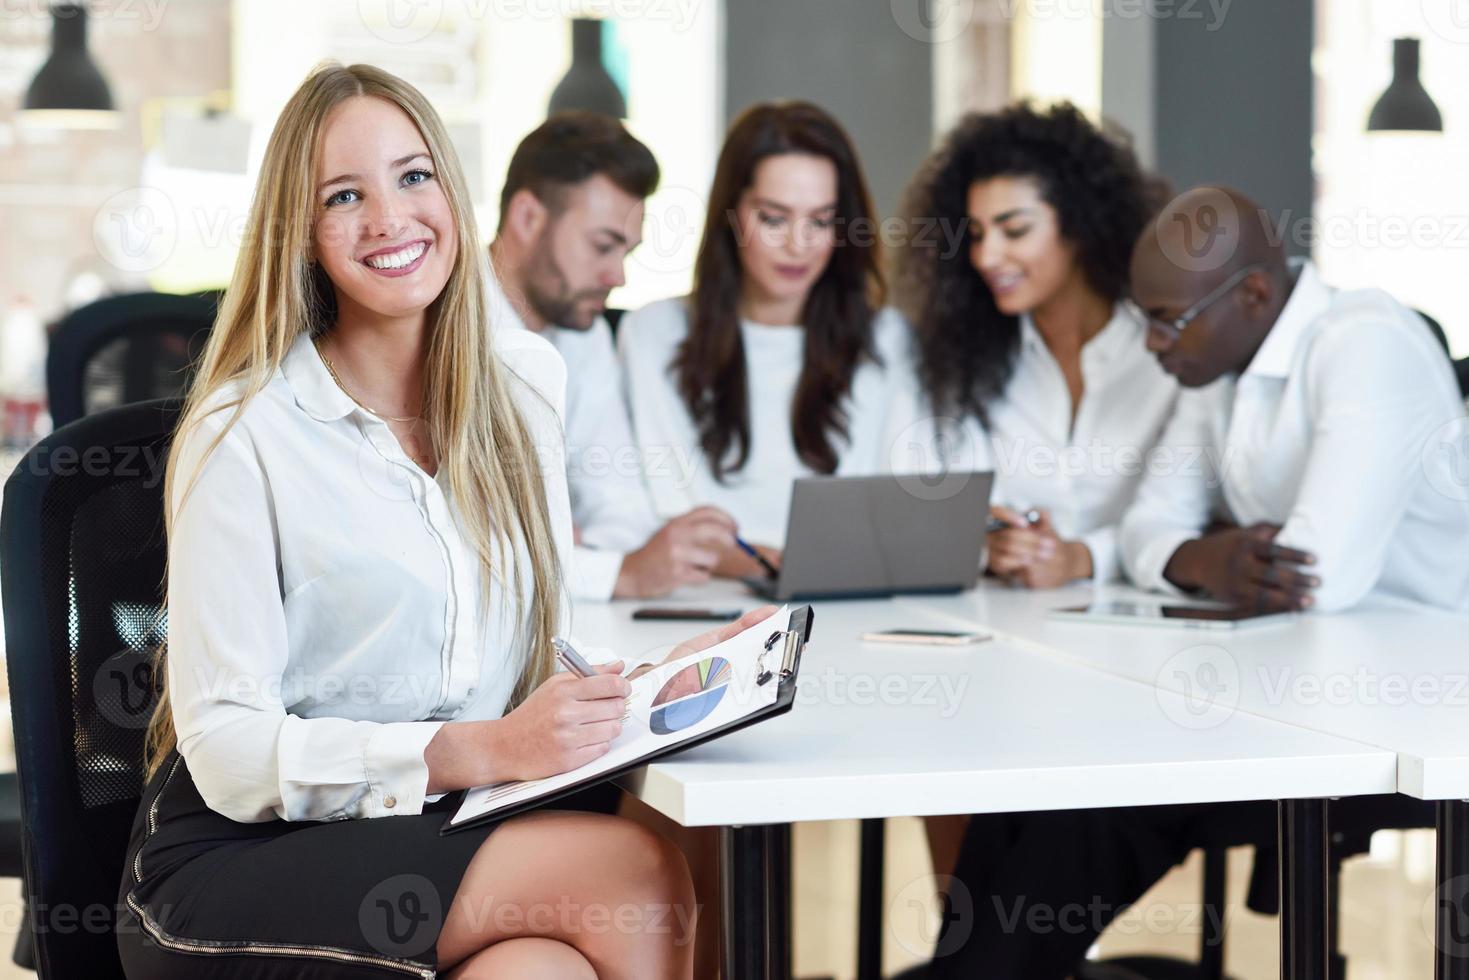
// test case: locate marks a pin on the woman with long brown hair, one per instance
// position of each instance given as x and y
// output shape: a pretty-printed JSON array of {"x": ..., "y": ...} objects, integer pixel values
[
  {"x": 367, "y": 522},
  {"x": 782, "y": 362}
]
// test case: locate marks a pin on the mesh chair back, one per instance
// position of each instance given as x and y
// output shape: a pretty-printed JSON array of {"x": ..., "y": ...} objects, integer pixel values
[
  {"x": 125, "y": 349},
  {"x": 82, "y": 556}
]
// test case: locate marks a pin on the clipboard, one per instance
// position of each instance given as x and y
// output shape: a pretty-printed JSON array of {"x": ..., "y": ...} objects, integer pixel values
[{"x": 783, "y": 646}]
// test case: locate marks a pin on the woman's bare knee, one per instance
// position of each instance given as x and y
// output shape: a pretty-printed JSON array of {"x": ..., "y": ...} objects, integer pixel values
[
  {"x": 594, "y": 882},
  {"x": 532, "y": 956}
]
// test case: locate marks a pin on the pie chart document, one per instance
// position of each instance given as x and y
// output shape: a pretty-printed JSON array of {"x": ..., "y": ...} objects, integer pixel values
[{"x": 675, "y": 702}]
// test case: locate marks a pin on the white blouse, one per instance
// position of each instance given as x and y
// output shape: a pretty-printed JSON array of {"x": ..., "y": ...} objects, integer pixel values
[
  {"x": 758, "y": 496},
  {"x": 1084, "y": 472},
  {"x": 323, "y": 606}
]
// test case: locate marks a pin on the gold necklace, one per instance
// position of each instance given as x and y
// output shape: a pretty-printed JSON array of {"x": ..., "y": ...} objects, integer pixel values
[{"x": 331, "y": 369}]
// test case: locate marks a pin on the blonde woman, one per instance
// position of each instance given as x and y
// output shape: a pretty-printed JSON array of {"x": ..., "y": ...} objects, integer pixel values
[{"x": 367, "y": 520}]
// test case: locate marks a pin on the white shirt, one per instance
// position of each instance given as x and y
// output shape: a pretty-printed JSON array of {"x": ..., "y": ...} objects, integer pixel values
[
  {"x": 1336, "y": 431},
  {"x": 1085, "y": 472},
  {"x": 323, "y": 605},
  {"x": 609, "y": 503},
  {"x": 758, "y": 495}
]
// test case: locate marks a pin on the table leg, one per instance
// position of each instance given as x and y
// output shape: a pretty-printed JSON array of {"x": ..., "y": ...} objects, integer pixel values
[
  {"x": 869, "y": 901},
  {"x": 778, "y": 883},
  {"x": 1303, "y": 886},
  {"x": 755, "y": 882},
  {"x": 1451, "y": 898}
]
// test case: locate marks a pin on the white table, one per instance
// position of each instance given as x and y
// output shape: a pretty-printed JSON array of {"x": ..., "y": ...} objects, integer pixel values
[
  {"x": 883, "y": 730},
  {"x": 1387, "y": 673}
]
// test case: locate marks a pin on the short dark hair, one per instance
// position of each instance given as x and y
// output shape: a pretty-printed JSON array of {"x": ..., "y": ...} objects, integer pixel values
[{"x": 573, "y": 146}]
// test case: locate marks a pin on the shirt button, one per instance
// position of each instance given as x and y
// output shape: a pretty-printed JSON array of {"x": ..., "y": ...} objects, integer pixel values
[
  {"x": 469, "y": 693},
  {"x": 390, "y": 801}
]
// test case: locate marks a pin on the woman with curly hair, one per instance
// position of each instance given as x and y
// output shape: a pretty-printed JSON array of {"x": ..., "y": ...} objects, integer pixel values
[{"x": 1031, "y": 360}]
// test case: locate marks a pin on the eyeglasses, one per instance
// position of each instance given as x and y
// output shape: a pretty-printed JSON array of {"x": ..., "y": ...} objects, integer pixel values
[{"x": 1179, "y": 324}]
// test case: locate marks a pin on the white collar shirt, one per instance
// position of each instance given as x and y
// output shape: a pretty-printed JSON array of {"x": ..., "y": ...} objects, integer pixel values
[
  {"x": 1082, "y": 470},
  {"x": 324, "y": 608},
  {"x": 1343, "y": 430}
]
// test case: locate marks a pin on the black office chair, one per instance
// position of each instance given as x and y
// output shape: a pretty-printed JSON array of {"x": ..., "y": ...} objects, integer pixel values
[
  {"x": 83, "y": 550},
  {"x": 125, "y": 349}
]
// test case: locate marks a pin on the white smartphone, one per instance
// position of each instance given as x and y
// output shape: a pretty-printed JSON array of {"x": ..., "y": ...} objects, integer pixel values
[{"x": 943, "y": 638}]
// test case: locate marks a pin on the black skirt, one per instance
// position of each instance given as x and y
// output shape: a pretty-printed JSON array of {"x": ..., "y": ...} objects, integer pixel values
[{"x": 206, "y": 898}]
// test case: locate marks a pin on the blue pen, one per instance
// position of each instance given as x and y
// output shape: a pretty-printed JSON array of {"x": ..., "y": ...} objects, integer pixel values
[{"x": 748, "y": 549}]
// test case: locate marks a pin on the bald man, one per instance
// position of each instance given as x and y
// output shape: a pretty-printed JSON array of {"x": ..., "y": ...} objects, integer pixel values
[
  {"x": 1311, "y": 422},
  {"x": 1319, "y": 424}
]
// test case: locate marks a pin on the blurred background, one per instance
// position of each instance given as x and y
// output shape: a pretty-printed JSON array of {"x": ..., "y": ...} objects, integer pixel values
[{"x": 1272, "y": 96}]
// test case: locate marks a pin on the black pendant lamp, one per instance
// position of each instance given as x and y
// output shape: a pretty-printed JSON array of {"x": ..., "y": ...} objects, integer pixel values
[
  {"x": 587, "y": 85},
  {"x": 69, "y": 91},
  {"x": 1405, "y": 106}
]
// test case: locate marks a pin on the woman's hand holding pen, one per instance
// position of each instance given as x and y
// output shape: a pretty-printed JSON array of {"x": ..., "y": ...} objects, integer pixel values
[
  {"x": 565, "y": 723},
  {"x": 1026, "y": 550}
]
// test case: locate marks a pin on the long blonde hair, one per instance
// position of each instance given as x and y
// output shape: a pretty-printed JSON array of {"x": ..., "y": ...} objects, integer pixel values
[{"x": 275, "y": 294}]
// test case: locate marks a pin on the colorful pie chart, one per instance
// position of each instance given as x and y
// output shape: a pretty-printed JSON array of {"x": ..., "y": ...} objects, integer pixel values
[{"x": 690, "y": 695}]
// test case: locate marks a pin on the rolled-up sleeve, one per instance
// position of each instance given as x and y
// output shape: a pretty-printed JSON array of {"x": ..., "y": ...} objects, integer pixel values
[{"x": 228, "y": 652}]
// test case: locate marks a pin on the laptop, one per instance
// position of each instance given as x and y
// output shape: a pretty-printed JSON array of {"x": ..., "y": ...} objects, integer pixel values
[{"x": 861, "y": 537}]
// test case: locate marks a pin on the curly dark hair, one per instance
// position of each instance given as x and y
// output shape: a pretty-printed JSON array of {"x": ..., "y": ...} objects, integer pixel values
[{"x": 966, "y": 347}]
